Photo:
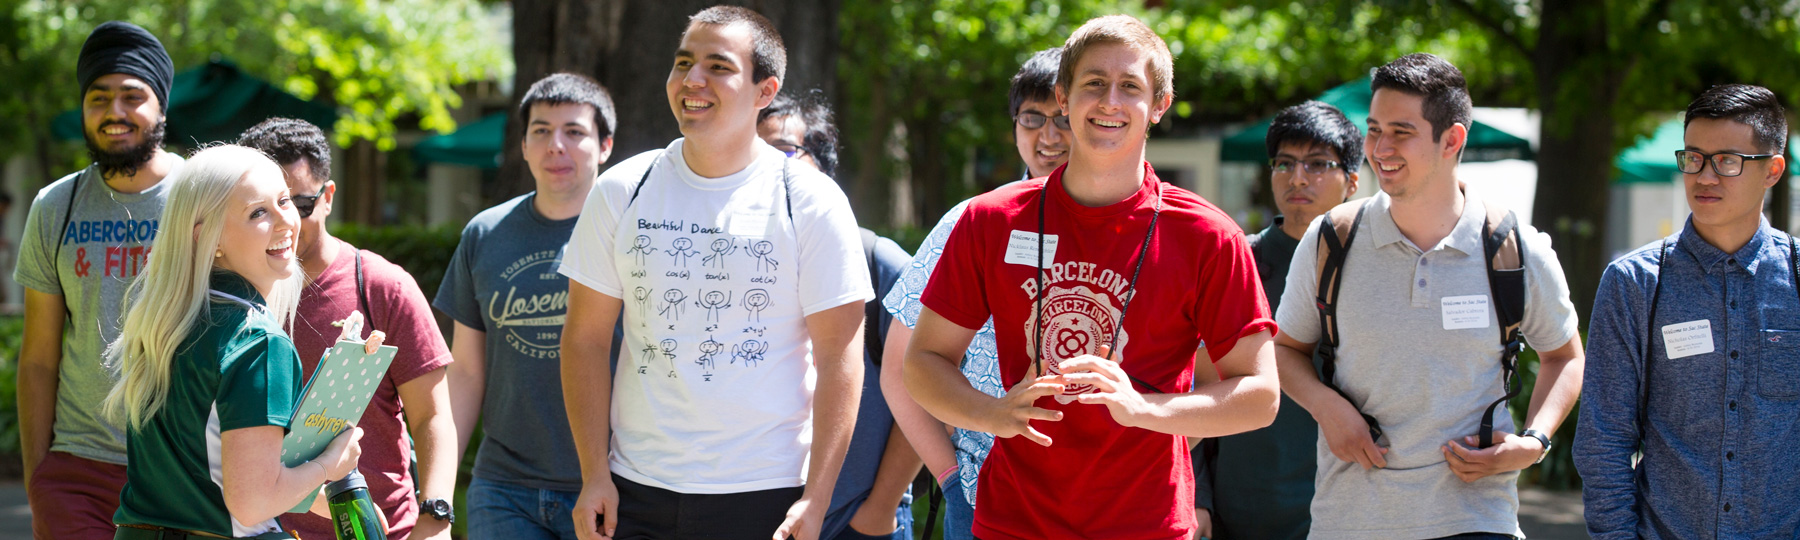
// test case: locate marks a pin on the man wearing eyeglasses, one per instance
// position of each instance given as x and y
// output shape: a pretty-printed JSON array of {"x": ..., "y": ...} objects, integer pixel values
[
  {"x": 1260, "y": 484},
  {"x": 1696, "y": 350},
  {"x": 954, "y": 456},
  {"x": 342, "y": 279}
]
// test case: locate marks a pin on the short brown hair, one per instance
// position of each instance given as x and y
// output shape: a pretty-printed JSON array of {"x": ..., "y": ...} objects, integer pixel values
[
  {"x": 768, "y": 55},
  {"x": 1121, "y": 30}
]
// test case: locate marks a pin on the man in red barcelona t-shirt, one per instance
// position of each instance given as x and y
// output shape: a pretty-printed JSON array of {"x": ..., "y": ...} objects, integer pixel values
[{"x": 1096, "y": 447}]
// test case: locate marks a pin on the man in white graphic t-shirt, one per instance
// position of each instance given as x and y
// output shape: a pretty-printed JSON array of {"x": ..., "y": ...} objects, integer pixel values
[{"x": 744, "y": 277}]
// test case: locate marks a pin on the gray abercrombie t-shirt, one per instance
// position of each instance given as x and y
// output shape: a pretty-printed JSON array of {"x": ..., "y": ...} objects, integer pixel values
[
  {"x": 104, "y": 249},
  {"x": 1425, "y": 367}
]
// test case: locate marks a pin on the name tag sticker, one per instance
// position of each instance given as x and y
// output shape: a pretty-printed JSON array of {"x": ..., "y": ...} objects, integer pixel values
[
  {"x": 1465, "y": 311},
  {"x": 749, "y": 223},
  {"x": 1021, "y": 248},
  {"x": 1688, "y": 338}
]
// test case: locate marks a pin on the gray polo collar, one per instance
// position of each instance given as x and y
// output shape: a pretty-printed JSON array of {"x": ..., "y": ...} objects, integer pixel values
[{"x": 1465, "y": 238}]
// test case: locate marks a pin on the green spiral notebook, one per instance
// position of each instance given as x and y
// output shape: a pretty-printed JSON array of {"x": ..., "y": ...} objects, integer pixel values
[{"x": 334, "y": 398}]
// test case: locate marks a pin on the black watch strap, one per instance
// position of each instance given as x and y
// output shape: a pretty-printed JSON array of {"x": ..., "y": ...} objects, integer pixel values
[
  {"x": 1542, "y": 438},
  {"x": 439, "y": 509}
]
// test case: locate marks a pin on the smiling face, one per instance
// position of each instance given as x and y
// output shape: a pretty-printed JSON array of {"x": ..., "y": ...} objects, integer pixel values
[
  {"x": 710, "y": 88},
  {"x": 563, "y": 148},
  {"x": 1046, "y": 147},
  {"x": 1400, "y": 148},
  {"x": 1728, "y": 202},
  {"x": 121, "y": 119},
  {"x": 259, "y": 229},
  {"x": 301, "y": 180},
  {"x": 1110, "y": 100}
]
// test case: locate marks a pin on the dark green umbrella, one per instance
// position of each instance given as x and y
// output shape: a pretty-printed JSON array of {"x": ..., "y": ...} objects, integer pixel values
[
  {"x": 1486, "y": 143},
  {"x": 474, "y": 145},
  {"x": 217, "y": 102}
]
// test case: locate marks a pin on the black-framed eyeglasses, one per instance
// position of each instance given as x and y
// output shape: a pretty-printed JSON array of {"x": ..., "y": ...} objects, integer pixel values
[
  {"x": 304, "y": 204},
  {"x": 792, "y": 150},
  {"x": 1286, "y": 166},
  {"x": 1724, "y": 163},
  {"x": 1033, "y": 120}
]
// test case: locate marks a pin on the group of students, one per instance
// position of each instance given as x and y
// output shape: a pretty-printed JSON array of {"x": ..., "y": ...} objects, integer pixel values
[{"x": 670, "y": 349}]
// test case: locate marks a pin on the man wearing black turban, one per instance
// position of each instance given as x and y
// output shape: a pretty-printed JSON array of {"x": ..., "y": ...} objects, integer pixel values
[{"x": 85, "y": 241}]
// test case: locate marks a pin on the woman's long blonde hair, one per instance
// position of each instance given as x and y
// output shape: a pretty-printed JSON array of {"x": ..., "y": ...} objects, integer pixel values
[{"x": 166, "y": 301}]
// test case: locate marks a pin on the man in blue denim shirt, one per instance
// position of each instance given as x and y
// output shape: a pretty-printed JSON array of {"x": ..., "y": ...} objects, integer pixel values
[{"x": 1719, "y": 340}]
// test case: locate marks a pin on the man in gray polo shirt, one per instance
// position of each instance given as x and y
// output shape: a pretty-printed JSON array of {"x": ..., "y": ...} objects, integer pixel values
[{"x": 1427, "y": 377}]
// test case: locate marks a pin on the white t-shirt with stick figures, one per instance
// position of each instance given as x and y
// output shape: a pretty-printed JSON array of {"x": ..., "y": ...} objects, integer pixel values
[{"x": 713, "y": 393}]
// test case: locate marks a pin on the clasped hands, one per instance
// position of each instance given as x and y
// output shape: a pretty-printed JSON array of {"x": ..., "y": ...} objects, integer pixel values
[{"x": 1011, "y": 415}]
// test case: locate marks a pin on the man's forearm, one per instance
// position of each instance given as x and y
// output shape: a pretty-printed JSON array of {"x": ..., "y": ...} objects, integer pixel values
[
  {"x": 928, "y": 438},
  {"x": 433, "y": 429},
  {"x": 838, "y": 391},
  {"x": 935, "y": 382},
  {"x": 1243, "y": 401},
  {"x": 37, "y": 386},
  {"x": 899, "y": 466},
  {"x": 587, "y": 395},
  {"x": 1300, "y": 381},
  {"x": 1558, "y": 387}
]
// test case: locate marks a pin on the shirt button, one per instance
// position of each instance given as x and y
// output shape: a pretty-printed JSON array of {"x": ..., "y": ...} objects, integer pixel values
[
  {"x": 1727, "y": 507},
  {"x": 1734, "y": 304},
  {"x": 1421, "y": 283},
  {"x": 1730, "y": 455},
  {"x": 1734, "y": 355},
  {"x": 1731, "y": 261},
  {"x": 1423, "y": 261},
  {"x": 1732, "y": 405}
]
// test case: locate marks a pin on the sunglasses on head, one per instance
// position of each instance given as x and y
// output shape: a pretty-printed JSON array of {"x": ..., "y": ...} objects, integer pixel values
[{"x": 304, "y": 204}]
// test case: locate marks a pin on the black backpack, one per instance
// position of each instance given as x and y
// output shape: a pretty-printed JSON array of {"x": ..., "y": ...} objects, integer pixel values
[{"x": 1502, "y": 247}]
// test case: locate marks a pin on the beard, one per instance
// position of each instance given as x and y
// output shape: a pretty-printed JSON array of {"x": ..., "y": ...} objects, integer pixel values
[{"x": 127, "y": 160}]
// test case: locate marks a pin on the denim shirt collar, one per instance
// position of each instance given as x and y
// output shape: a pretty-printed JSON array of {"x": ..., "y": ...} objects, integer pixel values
[{"x": 1715, "y": 261}]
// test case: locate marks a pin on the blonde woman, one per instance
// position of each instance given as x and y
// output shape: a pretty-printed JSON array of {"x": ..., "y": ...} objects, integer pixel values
[{"x": 208, "y": 378}]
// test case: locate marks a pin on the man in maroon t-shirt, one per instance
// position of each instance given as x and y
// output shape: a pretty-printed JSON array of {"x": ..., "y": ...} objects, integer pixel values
[
  {"x": 1093, "y": 443},
  {"x": 341, "y": 279}
]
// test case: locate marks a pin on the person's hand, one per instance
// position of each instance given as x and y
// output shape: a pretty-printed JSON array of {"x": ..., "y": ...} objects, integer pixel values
[
  {"x": 341, "y": 455},
  {"x": 1011, "y": 415},
  {"x": 597, "y": 510},
  {"x": 430, "y": 528},
  {"x": 1512, "y": 453},
  {"x": 1204, "y": 529},
  {"x": 803, "y": 521},
  {"x": 1112, "y": 386},
  {"x": 376, "y": 337},
  {"x": 872, "y": 521},
  {"x": 1348, "y": 435}
]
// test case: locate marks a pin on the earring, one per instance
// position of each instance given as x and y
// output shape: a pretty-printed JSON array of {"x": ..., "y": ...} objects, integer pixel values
[{"x": 218, "y": 253}]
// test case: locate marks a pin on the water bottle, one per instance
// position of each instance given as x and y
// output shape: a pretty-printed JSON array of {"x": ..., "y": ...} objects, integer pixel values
[{"x": 353, "y": 513}]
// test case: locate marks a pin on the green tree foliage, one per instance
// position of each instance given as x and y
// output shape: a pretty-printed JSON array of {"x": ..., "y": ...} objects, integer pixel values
[{"x": 376, "y": 61}]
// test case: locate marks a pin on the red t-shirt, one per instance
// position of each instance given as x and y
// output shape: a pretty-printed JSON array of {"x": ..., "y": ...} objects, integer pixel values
[
  {"x": 399, "y": 309},
  {"x": 1098, "y": 479}
]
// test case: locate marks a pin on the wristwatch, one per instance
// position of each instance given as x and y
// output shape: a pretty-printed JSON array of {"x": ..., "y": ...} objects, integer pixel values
[
  {"x": 1542, "y": 438},
  {"x": 437, "y": 508}
]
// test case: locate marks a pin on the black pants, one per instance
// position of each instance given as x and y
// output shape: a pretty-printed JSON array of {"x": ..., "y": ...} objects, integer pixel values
[{"x": 651, "y": 513}]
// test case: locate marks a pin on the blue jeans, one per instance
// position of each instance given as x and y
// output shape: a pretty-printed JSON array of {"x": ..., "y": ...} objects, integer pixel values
[
  {"x": 837, "y": 524},
  {"x": 499, "y": 511},
  {"x": 959, "y": 515}
]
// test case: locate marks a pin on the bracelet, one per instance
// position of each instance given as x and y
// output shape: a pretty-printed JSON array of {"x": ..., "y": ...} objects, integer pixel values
[
  {"x": 321, "y": 469},
  {"x": 947, "y": 473}
]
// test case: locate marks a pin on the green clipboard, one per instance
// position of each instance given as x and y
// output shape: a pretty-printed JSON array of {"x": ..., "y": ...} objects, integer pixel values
[{"x": 334, "y": 398}]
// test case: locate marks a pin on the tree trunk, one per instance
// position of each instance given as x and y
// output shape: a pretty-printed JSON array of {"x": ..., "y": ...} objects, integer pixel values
[
  {"x": 1577, "y": 81},
  {"x": 629, "y": 46},
  {"x": 930, "y": 173}
]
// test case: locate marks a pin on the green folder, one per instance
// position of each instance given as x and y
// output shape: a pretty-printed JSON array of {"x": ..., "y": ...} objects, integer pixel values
[{"x": 334, "y": 399}]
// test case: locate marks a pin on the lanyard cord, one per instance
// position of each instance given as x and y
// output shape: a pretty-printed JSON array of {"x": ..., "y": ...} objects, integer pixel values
[{"x": 1131, "y": 287}]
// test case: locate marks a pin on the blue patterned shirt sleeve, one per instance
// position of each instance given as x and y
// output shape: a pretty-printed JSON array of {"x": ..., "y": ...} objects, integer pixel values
[{"x": 981, "y": 363}]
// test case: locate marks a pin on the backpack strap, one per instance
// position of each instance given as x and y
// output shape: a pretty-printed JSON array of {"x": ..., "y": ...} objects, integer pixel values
[
  {"x": 362, "y": 292},
  {"x": 1335, "y": 237},
  {"x": 1643, "y": 412},
  {"x": 871, "y": 309},
  {"x": 1503, "y": 248},
  {"x": 646, "y": 178}
]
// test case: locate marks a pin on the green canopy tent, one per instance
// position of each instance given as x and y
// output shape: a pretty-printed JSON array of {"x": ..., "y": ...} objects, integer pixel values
[
  {"x": 1486, "y": 143},
  {"x": 216, "y": 102},
  {"x": 474, "y": 145}
]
